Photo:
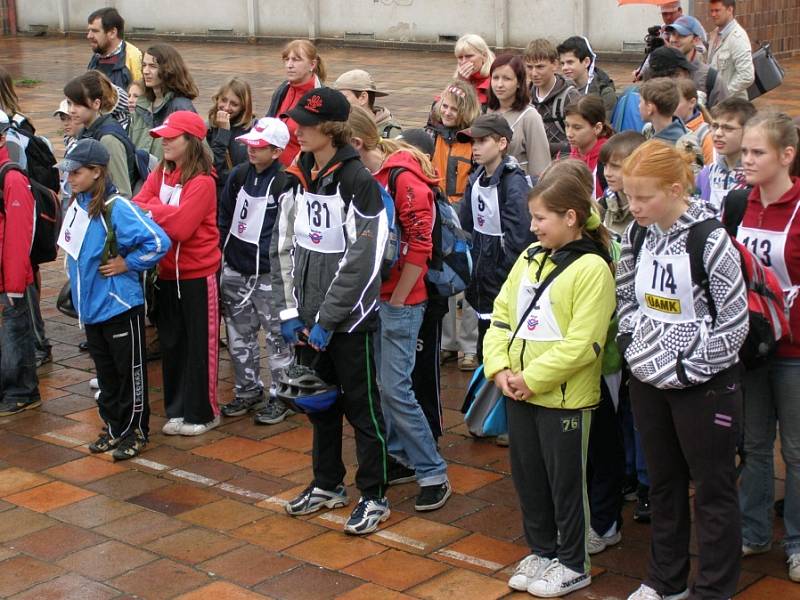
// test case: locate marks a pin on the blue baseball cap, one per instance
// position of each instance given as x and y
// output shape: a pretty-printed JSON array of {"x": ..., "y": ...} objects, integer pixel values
[
  {"x": 85, "y": 152},
  {"x": 688, "y": 25}
]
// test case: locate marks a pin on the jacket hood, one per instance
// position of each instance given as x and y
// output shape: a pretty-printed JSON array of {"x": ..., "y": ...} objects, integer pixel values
[
  {"x": 698, "y": 211},
  {"x": 406, "y": 161},
  {"x": 581, "y": 246},
  {"x": 562, "y": 83},
  {"x": 305, "y": 163}
]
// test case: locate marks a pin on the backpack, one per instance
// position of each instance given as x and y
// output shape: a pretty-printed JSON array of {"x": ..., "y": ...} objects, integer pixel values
[
  {"x": 766, "y": 312},
  {"x": 391, "y": 252},
  {"x": 41, "y": 163},
  {"x": 47, "y": 221},
  {"x": 139, "y": 160},
  {"x": 450, "y": 265}
]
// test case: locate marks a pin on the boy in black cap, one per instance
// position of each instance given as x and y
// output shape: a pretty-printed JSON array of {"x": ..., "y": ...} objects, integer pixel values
[
  {"x": 495, "y": 210},
  {"x": 326, "y": 255}
]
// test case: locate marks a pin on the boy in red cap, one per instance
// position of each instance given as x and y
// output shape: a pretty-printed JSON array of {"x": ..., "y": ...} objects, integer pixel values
[{"x": 181, "y": 195}]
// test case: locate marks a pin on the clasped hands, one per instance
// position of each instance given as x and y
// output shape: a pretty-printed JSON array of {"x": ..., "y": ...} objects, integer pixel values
[{"x": 512, "y": 385}]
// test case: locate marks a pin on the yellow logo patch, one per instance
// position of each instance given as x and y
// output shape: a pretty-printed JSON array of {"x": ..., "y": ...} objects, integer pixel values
[{"x": 667, "y": 305}]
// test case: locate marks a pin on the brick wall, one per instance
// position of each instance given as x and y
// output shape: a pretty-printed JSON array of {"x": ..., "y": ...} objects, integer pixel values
[{"x": 774, "y": 21}]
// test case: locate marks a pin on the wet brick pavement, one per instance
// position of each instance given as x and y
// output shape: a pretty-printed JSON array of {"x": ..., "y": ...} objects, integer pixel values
[{"x": 202, "y": 518}]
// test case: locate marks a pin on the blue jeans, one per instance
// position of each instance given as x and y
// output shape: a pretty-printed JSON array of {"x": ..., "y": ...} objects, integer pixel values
[
  {"x": 771, "y": 397},
  {"x": 18, "y": 379},
  {"x": 408, "y": 434}
]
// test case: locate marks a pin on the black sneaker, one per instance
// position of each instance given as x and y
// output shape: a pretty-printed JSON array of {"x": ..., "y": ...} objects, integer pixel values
[
  {"x": 83, "y": 346},
  {"x": 641, "y": 513},
  {"x": 103, "y": 443},
  {"x": 130, "y": 447},
  {"x": 432, "y": 497},
  {"x": 240, "y": 406},
  {"x": 11, "y": 407},
  {"x": 273, "y": 413},
  {"x": 367, "y": 515},
  {"x": 399, "y": 473},
  {"x": 43, "y": 358}
]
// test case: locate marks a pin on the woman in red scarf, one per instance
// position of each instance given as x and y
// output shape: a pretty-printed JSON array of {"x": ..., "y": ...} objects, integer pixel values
[
  {"x": 474, "y": 62},
  {"x": 304, "y": 72}
]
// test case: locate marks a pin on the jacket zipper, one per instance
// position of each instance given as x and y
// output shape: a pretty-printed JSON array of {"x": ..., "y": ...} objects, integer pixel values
[{"x": 563, "y": 394}]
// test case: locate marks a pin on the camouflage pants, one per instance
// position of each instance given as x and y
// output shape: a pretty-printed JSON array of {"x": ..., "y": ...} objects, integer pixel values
[{"x": 244, "y": 320}]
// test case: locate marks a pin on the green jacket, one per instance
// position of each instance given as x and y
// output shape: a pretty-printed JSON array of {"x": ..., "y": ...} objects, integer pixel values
[
  {"x": 146, "y": 117},
  {"x": 565, "y": 373}
]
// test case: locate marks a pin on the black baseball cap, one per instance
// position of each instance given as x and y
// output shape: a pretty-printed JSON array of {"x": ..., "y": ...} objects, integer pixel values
[
  {"x": 419, "y": 138},
  {"x": 87, "y": 151},
  {"x": 492, "y": 123},
  {"x": 665, "y": 60},
  {"x": 320, "y": 105}
]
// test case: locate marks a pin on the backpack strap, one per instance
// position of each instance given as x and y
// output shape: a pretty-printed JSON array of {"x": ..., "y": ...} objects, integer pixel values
[
  {"x": 711, "y": 81},
  {"x": 110, "y": 248},
  {"x": 637, "y": 235},
  {"x": 393, "y": 175},
  {"x": 734, "y": 205},
  {"x": 560, "y": 267},
  {"x": 695, "y": 246},
  {"x": 5, "y": 168}
]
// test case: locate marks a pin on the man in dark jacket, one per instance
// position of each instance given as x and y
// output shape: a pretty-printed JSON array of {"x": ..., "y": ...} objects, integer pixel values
[
  {"x": 120, "y": 61},
  {"x": 579, "y": 63},
  {"x": 326, "y": 254}
]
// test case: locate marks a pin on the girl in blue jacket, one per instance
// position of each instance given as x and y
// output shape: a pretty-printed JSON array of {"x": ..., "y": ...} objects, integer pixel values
[{"x": 108, "y": 242}]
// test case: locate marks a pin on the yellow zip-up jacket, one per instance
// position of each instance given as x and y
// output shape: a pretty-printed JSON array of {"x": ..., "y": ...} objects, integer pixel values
[{"x": 562, "y": 374}]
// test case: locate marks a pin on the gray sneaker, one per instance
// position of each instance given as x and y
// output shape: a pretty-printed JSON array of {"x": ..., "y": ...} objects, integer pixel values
[
  {"x": 273, "y": 413},
  {"x": 240, "y": 406},
  {"x": 312, "y": 499}
]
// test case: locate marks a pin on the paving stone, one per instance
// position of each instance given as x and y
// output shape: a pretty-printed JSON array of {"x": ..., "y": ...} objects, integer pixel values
[
  {"x": 193, "y": 545},
  {"x": 21, "y": 572},
  {"x": 396, "y": 570},
  {"x": 482, "y": 554},
  {"x": 233, "y": 449},
  {"x": 160, "y": 579},
  {"x": 18, "y": 522},
  {"x": 106, "y": 560},
  {"x": 460, "y": 583},
  {"x": 141, "y": 527},
  {"x": 15, "y": 480},
  {"x": 370, "y": 591},
  {"x": 55, "y": 542},
  {"x": 128, "y": 484},
  {"x": 85, "y": 470},
  {"x": 279, "y": 462},
  {"x": 248, "y": 565},
  {"x": 308, "y": 583},
  {"x": 771, "y": 587},
  {"x": 94, "y": 511},
  {"x": 223, "y": 515},
  {"x": 69, "y": 587},
  {"x": 221, "y": 590},
  {"x": 277, "y": 532},
  {"x": 501, "y": 522},
  {"x": 49, "y": 496},
  {"x": 334, "y": 550},
  {"x": 175, "y": 499},
  {"x": 419, "y": 535},
  {"x": 42, "y": 457}
]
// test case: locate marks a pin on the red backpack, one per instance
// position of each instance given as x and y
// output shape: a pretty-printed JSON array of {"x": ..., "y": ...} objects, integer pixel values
[{"x": 766, "y": 310}]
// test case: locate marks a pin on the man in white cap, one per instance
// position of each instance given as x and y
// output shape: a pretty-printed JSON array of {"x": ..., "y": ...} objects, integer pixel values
[
  {"x": 247, "y": 212},
  {"x": 359, "y": 89},
  {"x": 19, "y": 384}
]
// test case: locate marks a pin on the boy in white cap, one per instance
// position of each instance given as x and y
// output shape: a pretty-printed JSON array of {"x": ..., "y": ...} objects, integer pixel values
[{"x": 247, "y": 212}]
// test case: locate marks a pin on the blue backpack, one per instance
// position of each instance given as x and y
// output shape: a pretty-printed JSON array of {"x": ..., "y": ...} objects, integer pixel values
[
  {"x": 391, "y": 252},
  {"x": 450, "y": 266},
  {"x": 626, "y": 116}
]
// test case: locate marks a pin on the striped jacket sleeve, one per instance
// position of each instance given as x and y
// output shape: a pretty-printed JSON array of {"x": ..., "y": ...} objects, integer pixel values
[
  {"x": 626, "y": 292},
  {"x": 281, "y": 256}
]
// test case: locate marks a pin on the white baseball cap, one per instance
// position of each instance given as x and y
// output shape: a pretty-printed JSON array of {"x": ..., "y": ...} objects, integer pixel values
[
  {"x": 268, "y": 131},
  {"x": 63, "y": 108}
]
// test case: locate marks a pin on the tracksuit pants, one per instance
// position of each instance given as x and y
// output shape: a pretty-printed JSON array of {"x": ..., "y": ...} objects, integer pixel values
[
  {"x": 548, "y": 449},
  {"x": 117, "y": 347},
  {"x": 691, "y": 434},
  {"x": 188, "y": 329},
  {"x": 425, "y": 378},
  {"x": 349, "y": 362}
]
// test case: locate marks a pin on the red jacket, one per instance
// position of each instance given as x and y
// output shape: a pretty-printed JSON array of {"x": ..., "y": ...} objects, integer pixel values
[
  {"x": 775, "y": 217},
  {"x": 192, "y": 225},
  {"x": 16, "y": 232},
  {"x": 481, "y": 85},
  {"x": 293, "y": 94},
  {"x": 591, "y": 159},
  {"x": 414, "y": 208}
]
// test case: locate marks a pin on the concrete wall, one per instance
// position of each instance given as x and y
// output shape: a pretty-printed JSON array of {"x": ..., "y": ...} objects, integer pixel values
[{"x": 500, "y": 22}]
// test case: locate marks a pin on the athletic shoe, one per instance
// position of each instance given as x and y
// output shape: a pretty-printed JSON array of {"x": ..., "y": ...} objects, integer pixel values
[
  {"x": 557, "y": 580},
  {"x": 528, "y": 570},
  {"x": 173, "y": 426},
  {"x": 754, "y": 550},
  {"x": 794, "y": 567},
  {"x": 274, "y": 412},
  {"x": 432, "y": 497},
  {"x": 629, "y": 488},
  {"x": 83, "y": 346},
  {"x": 130, "y": 447},
  {"x": 97, "y": 395},
  {"x": 12, "y": 407},
  {"x": 103, "y": 443},
  {"x": 468, "y": 362},
  {"x": 239, "y": 406},
  {"x": 641, "y": 513},
  {"x": 199, "y": 428},
  {"x": 94, "y": 383},
  {"x": 502, "y": 440},
  {"x": 597, "y": 543},
  {"x": 446, "y": 356},
  {"x": 645, "y": 592},
  {"x": 313, "y": 499},
  {"x": 399, "y": 473},
  {"x": 367, "y": 515},
  {"x": 43, "y": 357}
]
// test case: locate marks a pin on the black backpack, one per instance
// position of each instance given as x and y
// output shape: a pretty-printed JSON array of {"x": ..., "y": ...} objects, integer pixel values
[
  {"x": 41, "y": 164},
  {"x": 47, "y": 224},
  {"x": 138, "y": 159}
]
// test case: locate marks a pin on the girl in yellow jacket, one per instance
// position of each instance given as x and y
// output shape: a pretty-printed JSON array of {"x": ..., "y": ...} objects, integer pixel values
[{"x": 544, "y": 351}]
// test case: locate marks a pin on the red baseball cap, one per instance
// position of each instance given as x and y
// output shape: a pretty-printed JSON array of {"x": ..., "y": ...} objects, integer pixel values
[{"x": 179, "y": 122}]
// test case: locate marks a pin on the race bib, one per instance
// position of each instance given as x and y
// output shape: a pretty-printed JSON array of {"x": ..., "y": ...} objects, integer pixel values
[
  {"x": 73, "y": 230},
  {"x": 664, "y": 287},
  {"x": 248, "y": 216},
  {"x": 486, "y": 210},
  {"x": 539, "y": 324},
  {"x": 318, "y": 223}
]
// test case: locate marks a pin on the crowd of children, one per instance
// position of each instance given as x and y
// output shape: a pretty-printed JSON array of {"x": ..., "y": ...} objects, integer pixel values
[{"x": 607, "y": 301}]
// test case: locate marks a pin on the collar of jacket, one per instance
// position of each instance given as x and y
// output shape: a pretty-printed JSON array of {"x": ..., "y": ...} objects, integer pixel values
[
  {"x": 305, "y": 163},
  {"x": 580, "y": 246},
  {"x": 509, "y": 164}
]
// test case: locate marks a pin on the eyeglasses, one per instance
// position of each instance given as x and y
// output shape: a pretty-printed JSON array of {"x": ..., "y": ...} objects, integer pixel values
[{"x": 723, "y": 127}]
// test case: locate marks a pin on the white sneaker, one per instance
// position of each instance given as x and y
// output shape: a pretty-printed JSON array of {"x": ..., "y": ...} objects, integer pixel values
[
  {"x": 754, "y": 550},
  {"x": 645, "y": 592},
  {"x": 598, "y": 543},
  {"x": 528, "y": 569},
  {"x": 794, "y": 567},
  {"x": 199, "y": 428},
  {"x": 97, "y": 395},
  {"x": 173, "y": 426},
  {"x": 94, "y": 384},
  {"x": 557, "y": 580}
]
